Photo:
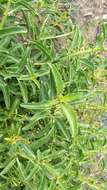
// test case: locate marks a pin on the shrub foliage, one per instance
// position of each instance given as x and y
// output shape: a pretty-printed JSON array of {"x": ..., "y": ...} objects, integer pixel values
[{"x": 52, "y": 94}]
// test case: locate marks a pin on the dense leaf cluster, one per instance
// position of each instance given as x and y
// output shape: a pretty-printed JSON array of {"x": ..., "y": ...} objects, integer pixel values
[{"x": 50, "y": 79}]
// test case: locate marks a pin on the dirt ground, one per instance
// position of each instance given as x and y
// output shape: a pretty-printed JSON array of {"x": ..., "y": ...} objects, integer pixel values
[{"x": 88, "y": 14}]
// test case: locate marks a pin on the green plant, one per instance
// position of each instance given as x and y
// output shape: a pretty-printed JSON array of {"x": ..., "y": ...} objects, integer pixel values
[{"x": 50, "y": 137}]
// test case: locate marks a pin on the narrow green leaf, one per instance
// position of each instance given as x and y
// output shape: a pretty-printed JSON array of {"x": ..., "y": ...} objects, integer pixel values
[
  {"x": 23, "y": 61},
  {"x": 42, "y": 183},
  {"x": 52, "y": 185},
  {"x": 20, "y": 167},
  {"x": 8, "y": 167},
  {"x": 77, "y": 38},
  {"x": 104, "y": 28},
  {"x": 28, "y": 6},
  {"x": 71, "y": 117},
  {"x": 6, "y": 93},
  {"x": 12, "y": 31},
  {"x": 4, "y": 43},
  {"x": 58, "y": 79},
  {"x": 28, "y": 151},
  {"x": 15, "y": 106},
  {"x": 33, "y": 172},
  {"x": 24, "y": 91},
  {"x": 22, "y": 174},
  {"x": 71, "y": 97},
  {"x": 62, "y": 127},
  {"x": 39, "y": 105}
]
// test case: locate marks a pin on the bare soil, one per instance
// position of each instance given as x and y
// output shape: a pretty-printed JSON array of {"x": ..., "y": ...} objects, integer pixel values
[{"x": 88, "y": 14}]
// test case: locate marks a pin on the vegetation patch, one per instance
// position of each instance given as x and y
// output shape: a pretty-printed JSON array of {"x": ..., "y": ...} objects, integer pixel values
[{"x": 53, "y": 99}]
